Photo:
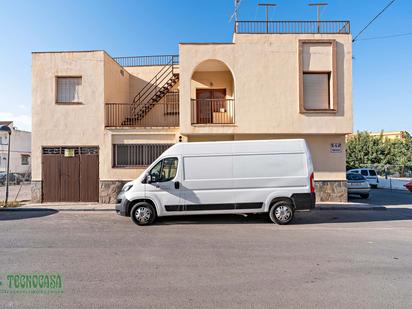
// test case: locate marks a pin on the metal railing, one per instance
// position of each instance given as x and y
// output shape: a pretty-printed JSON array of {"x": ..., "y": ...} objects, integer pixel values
[
  {"x": 164, "y": 114},
  {"x": 213, "y": 111},
  {"x": 139, "y": 61},
  {"x": 332, "y": 27}
]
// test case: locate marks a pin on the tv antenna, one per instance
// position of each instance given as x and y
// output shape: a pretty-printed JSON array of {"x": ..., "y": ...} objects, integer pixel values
[
  {"x": 267, "y": 5},
  {"x": 319, "y": 5},
  {"x": 236, "y": 10}
]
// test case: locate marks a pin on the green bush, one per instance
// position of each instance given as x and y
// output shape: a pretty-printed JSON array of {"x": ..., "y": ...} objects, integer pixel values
[{"x": 365, "y": 150}]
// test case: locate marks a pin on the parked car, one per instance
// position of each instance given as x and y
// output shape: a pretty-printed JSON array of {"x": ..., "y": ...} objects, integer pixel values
[
  {"x": 409, "y": 186},
  {"x": 358, "y": 184},
  {"x": 270, "y": 176},
  {"x": 13, "y": 178},
  {"x": 369, "y": 174}
]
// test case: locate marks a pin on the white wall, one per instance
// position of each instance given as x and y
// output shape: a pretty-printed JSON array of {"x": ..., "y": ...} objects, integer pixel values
[{"x": 20, "y": 145}]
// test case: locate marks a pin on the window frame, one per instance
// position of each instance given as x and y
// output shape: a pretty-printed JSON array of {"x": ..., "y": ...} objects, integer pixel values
[
  {"x": 333, "y": 97},
  {"x": 26, "y": 157},
  {"x": 56, "y": 101},
  {"x": 329, "y": 74},
  {"x": 161, "y": 168}
]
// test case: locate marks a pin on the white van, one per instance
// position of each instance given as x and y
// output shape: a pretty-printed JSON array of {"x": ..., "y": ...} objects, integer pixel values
[
  {"x": 369, "y": 174},
  {"x": 268, "y": 176}
]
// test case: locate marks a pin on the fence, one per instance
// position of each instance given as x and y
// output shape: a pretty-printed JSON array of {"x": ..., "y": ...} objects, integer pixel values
[{"x": 391, "y": 176}]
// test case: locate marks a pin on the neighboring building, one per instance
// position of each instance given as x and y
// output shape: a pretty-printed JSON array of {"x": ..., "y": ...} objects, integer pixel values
[
  {"x": 388, "y": 134},
  {"x": 99, "y": 121},
  {"x": 20, "y": 150}
]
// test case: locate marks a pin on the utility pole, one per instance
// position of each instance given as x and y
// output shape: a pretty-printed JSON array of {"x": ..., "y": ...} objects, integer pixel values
[
  {"x": 318, "y": 9},
  {"x": 267, "y": 5},
  {"x": 5, "y": 128}
]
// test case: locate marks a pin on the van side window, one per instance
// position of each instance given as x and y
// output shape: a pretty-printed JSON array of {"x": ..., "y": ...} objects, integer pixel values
[
  {"x": 364, "y": 172},
  {"x": 165, "y": 170}
]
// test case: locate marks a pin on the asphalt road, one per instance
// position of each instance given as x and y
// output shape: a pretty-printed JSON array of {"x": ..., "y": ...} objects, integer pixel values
[{"x": 326, "y": 259}]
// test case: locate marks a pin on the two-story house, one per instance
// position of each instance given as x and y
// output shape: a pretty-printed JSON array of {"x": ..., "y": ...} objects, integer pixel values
[{"x": 99, "y": 121}]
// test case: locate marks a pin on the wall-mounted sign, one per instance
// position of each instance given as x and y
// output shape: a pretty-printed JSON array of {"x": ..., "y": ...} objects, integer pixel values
[
  {"x": 69, "y": 152},
  {"x": 335, "y": 147}
]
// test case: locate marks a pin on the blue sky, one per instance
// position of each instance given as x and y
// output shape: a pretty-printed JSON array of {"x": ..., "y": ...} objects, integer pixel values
[{"x": 382, "y": 68}]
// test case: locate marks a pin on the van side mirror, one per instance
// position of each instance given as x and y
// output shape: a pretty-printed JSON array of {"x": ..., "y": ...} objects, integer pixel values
[{"x": 148, "y": 178}]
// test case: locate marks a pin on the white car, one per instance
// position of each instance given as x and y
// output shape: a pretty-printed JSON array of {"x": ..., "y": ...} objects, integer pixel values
[
  {"x": 269, "y": 176},
  {"x": 369, "y": 174},
  {"x": 357, "y": 184}
]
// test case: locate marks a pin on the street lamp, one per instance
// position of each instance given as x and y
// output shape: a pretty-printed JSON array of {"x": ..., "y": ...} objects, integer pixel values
[{"x": 7, "y": 129}]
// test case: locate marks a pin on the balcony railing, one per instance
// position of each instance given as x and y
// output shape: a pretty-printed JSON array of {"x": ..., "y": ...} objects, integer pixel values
[
  {"x": 213, "y": 111},
  {"x": 278, "y": 27},
  {"x": 163, "y": 114},
  {"x": 139, "y": 61}
]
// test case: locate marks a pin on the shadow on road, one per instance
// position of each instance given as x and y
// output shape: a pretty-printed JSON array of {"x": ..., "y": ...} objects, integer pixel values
[
  {"x": 25, "y": 213},
  {"x": 385, "y": 197},
  {"x": 301, "y": 218},
  {"x": 352, "y": 216}
]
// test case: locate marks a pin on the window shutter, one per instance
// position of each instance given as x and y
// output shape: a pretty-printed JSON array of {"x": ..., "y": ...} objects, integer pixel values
[{"x": 316, "y": 91}]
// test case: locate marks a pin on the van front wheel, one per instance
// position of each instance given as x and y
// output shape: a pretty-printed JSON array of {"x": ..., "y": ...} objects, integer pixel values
[
  {"x": 143, "y": 213},
  {"x": 281, "y": 212}
]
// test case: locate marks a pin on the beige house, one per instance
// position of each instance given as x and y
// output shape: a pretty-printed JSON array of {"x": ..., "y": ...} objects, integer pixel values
[
  {"x": 99, "y": 121},
  {"x": 20, "y": 150}
]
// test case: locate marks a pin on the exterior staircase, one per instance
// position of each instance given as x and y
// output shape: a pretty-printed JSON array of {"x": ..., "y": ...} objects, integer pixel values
[{"x": 154, "y": 91}]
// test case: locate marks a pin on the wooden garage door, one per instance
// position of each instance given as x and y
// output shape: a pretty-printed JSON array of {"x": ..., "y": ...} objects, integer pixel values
[{"x": 70, "y": 174}]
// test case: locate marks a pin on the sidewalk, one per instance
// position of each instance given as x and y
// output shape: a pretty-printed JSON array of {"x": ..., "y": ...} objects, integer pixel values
[
  {"x": 67, "y": 207},
  {"x": 111, "y": 207}
]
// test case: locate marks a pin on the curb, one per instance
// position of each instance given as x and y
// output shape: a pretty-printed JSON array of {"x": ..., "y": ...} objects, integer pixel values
[{"x": 27, "y": 209}]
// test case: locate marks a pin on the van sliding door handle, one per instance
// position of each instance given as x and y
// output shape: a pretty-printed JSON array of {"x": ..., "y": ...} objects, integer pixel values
[{"x": 177, "y": 185}]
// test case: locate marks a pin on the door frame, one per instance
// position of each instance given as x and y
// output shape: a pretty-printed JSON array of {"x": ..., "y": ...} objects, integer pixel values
[{"x": 213, "y": 91}]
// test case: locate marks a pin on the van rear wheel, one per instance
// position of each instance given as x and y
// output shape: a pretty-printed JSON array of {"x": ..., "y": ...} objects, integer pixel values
[
  {"x": 281, "y": 212},
  {"x": 143, "y": 213}
]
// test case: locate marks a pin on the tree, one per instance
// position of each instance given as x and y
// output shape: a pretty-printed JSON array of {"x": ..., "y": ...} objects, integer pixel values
[{"x": 365, "y": 150}]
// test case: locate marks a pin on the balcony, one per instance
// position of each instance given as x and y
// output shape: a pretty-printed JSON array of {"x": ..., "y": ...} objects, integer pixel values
[
  {"x": 139, "y": 61},
  {"x": 213, "y": 111},
  {"x": 165, "y": 113},
  {"x": 284, "y": 27}
]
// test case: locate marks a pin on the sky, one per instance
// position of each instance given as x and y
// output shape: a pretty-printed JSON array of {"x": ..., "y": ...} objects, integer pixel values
[{"x": 382, "y": 68}]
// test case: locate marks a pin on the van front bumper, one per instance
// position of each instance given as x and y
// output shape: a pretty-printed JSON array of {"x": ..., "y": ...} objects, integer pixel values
[
  {"x": 122, "y": 205},
  {"x": 304, "y": 201}
]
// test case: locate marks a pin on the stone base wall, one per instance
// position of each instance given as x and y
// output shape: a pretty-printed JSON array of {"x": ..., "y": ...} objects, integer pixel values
[
  {"x": 108, "y": 190},
  {"x": 331, "y": 191},
  {"x": 326, "y": 191},
  {"x": 36, "y": 191}
]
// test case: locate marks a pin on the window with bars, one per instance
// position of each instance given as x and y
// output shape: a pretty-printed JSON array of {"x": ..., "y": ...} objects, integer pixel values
[
  {"x": 76, "y": 150},
  {"x": 68, "y": 89},
  {"x": 131, "y": 155}
]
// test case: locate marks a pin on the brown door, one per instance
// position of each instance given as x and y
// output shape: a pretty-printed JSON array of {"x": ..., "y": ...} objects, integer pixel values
[
  {"x": 73, "y": 178},
  {"x": 209, "y": 101},
  {"x": 89, "y": 178},
  {"x": 51, "y": 177},
  {"x": 70, "y": 185}
]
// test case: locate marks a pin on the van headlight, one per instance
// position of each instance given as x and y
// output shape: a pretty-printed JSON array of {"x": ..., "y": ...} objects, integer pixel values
[{"x": 127, "y": 187}]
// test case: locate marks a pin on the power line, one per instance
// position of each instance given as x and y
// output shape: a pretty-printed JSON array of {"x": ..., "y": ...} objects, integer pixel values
[
  {"x": 380, "y": 13},
  {"x": 386, "y": 36}
]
